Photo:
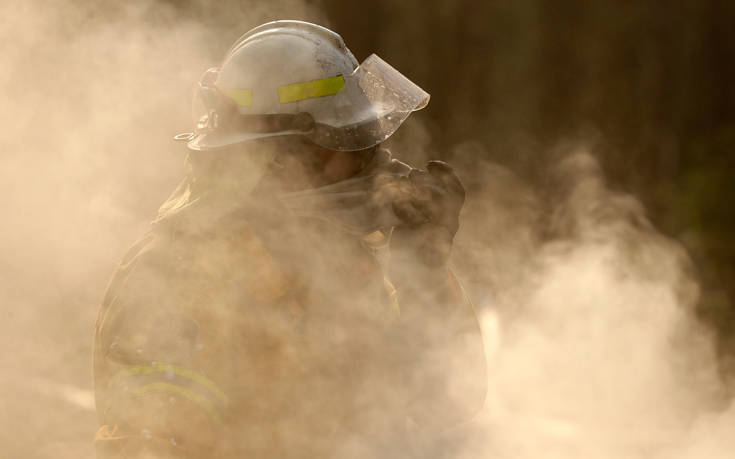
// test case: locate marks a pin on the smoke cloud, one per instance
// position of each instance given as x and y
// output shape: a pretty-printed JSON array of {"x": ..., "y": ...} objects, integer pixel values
[
  {"x": 587, "y": 310},
  {"x": 589, "y": 323},
  {"x": 92, "y": 94}
]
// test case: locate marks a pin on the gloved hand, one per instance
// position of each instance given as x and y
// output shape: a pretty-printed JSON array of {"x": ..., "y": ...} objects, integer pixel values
[{"x": 428, "y": 205}]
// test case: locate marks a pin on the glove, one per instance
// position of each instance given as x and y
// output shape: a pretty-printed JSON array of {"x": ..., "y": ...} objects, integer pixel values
[{"x": 428, "y": 207}]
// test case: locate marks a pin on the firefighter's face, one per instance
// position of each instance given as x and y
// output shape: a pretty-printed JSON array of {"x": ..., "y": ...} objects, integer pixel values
[{"x": 300, "y": 164}]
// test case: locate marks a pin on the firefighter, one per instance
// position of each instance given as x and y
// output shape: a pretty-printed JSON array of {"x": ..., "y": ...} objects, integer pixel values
[{"x": 293, "y": 297}]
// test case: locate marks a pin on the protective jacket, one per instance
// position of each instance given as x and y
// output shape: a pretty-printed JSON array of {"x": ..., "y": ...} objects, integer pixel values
[{"x": 238, "y": 329}]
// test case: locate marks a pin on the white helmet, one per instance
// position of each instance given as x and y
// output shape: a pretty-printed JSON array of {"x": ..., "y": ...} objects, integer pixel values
[{"x": 297, "y": 78}]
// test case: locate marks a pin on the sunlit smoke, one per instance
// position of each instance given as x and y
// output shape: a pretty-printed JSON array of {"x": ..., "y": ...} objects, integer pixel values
[
  {"x": 92, "y": 94},
  {"x": 592, "y": 347},
  {"x": 592, "y": 343}
]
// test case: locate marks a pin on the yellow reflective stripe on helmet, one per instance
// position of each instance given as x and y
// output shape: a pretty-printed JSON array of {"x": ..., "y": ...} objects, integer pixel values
[
  {"x": 164, "y": 368},
  {"x": 190, "y": 395},
  {"x": 311, "y": 89},
  {"x": 242, "y": 97}
]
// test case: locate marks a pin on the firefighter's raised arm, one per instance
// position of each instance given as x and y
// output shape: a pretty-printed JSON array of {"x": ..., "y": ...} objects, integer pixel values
[{"x": 440, "y": 329}]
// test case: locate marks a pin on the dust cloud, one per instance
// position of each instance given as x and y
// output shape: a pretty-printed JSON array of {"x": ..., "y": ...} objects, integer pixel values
[
  {"x": 91, "y": 94},
  {"x": 592, "y": 343},
  {"x": 587, "y": 310}
]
